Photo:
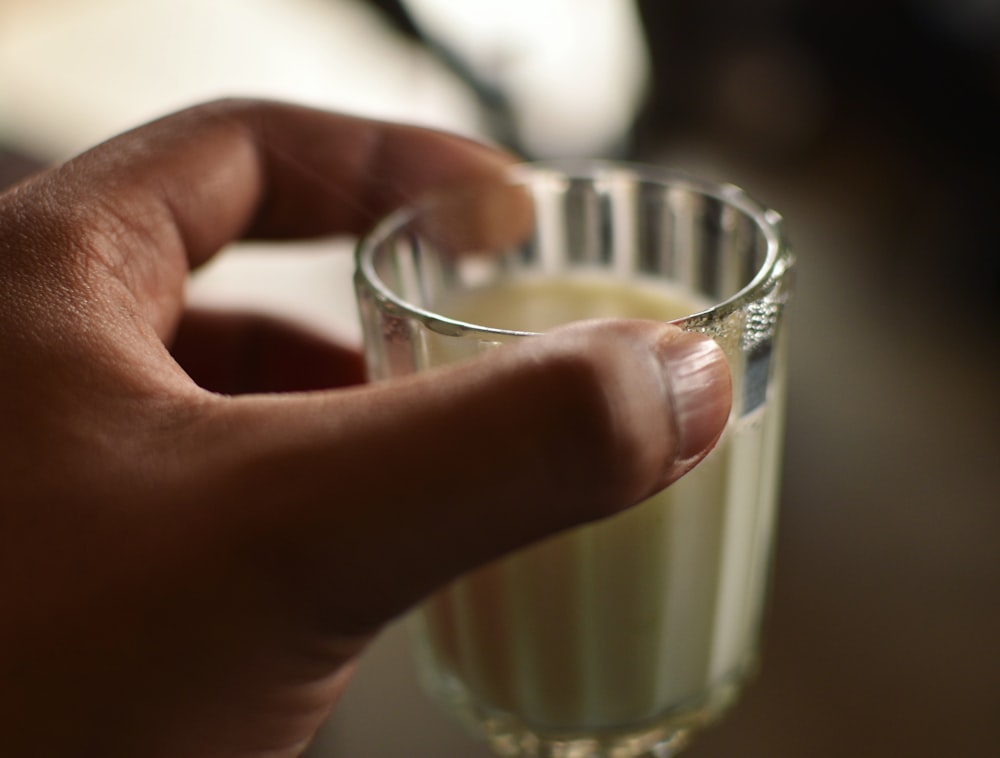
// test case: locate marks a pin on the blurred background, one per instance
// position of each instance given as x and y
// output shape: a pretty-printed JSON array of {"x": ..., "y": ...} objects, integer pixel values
[{"x": 872, "y": 127}]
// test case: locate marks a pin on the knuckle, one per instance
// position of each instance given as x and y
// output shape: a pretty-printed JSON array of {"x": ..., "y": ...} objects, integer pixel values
[{"x": 596, "y": 450}]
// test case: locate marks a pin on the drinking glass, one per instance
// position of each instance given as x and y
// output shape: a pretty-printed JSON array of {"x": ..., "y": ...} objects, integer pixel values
[{"x": 624, "y": 637}]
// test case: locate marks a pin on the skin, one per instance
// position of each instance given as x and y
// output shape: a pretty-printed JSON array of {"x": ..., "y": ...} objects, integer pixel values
[{"x": 205, "y": 517}]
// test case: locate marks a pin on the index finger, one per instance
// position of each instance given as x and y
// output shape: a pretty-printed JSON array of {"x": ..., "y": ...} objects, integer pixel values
[{"x": 237, "y": 168}]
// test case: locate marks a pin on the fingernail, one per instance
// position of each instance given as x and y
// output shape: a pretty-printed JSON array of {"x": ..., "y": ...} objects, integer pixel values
[{"x": 700, "y": 390}]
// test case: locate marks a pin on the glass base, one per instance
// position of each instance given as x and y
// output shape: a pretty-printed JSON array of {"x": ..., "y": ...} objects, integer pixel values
[{"x": 665, "y": 736}]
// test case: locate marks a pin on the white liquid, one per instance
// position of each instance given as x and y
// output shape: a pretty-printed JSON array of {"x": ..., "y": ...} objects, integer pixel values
[{"x": 618, "y": 623}]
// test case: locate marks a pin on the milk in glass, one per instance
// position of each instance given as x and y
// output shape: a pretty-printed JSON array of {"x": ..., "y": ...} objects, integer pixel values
[{"x": 649, "y": 615}]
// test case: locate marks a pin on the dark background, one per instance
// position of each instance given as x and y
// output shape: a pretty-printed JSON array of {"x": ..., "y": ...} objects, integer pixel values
[{"x": 873, "y": 127}]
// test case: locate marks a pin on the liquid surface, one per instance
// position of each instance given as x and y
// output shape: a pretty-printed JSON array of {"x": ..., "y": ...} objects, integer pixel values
[
  {"x": 617, "y": 623},
  {"x": 537, "y": 304}
]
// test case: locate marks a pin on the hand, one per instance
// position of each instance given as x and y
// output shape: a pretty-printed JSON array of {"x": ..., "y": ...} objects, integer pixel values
[{"x": 190, "y": 573}]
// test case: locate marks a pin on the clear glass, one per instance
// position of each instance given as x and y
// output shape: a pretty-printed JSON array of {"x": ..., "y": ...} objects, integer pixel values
[{"x": 619, "y": 638}]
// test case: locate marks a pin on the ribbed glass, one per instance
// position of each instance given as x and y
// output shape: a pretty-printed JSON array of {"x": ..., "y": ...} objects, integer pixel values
[{"x": 619, "y": 638}]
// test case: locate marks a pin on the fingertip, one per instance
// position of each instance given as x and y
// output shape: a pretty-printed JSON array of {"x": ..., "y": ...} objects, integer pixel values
[
  {"x": 700, "y": 391},
  {"x": 667, "y": 394}
]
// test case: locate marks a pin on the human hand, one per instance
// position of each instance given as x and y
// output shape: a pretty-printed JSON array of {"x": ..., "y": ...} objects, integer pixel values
[{"x": 185, "y": 571}]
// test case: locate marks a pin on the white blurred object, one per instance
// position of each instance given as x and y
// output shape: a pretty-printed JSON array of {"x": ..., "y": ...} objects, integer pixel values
[
  {"x": 308, "y": 282},
  {"x": 74, "y": 72},
  {"x": 574, "y": 72}
]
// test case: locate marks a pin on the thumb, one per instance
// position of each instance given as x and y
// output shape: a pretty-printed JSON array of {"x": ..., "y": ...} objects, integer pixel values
[{"x": 371, "y": 497}]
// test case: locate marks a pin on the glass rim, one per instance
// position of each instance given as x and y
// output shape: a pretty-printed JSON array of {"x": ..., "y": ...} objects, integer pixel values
[{"x": 768, "y": 221}]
